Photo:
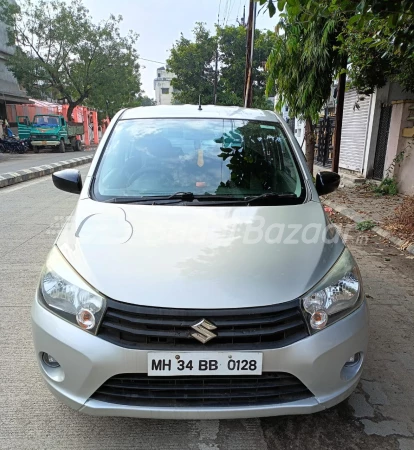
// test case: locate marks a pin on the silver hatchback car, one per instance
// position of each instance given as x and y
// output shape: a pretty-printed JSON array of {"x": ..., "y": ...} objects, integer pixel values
[{"x": 198, "y": 277}]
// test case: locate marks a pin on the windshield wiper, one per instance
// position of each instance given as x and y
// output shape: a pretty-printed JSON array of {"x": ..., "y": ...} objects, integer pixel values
[
  {"x": 181, "y": 196},
  {"x": 271, "y": 195},
  {"x": 204, "y": 200},
  {"x": 184, "y": 196}
]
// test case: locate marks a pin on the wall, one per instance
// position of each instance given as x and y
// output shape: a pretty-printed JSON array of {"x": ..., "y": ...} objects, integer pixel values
[
  {"x": 9, "y": 88},
  {"x": 397, "y": 143},
  {"x": 163, "y": 81},
  {"x": 385, "y": 95},
  {"x": 300, "y": 133}
]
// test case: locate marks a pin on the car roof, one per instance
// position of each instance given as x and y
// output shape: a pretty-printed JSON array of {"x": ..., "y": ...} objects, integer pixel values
[{"x": 192, "y": 112}]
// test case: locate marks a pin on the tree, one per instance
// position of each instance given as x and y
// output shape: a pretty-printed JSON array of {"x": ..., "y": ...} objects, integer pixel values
[
  {"x": 378, "y": 36},
  {"x": 301, "y": 67},
  {"x": 232, "y": 46},
  {"x": 193, "y": 64},
  {"x": 146, "y": 101},
  {"x": 61, "y": 53}
]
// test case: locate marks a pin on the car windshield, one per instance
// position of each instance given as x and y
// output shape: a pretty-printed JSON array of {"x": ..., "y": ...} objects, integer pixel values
[
  {"x": 46, "y": 121},
  {"x": 227, "y": 158}
]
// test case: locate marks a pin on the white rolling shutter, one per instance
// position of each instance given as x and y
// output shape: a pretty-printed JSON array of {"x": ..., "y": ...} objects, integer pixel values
[{"x": 354, "y": 132}]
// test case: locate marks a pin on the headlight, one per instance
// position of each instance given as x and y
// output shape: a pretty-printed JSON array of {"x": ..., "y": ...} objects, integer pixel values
[
  {"x": 336, "y": 295},
  {"x": 67, "y": 295}
]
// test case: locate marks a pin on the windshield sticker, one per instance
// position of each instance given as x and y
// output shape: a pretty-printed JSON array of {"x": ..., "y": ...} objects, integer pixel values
[
  {"x": 268, "y": 127},
  {"x": 232, "y": 139},
  {"x": 200, "y": 159}
]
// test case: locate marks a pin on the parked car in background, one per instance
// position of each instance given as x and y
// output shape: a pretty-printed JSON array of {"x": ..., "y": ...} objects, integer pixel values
[{"x": 198, "y": 276}]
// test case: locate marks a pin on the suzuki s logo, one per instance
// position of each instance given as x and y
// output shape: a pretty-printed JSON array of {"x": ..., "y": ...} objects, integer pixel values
[{"x": 203, "y": 331}]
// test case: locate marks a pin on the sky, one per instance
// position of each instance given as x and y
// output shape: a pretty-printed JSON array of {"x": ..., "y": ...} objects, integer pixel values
[{"x": 160, "y": 22}]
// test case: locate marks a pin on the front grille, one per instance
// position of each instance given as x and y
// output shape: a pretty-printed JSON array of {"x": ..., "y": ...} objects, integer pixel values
[
  {"x": 44, "y": 137},
  {"x": 149, "y": 328},
  {"x": 142, "y": 390}
]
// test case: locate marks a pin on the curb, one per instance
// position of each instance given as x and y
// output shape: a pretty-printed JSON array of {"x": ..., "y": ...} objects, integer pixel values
[
  {"x": 357, "y": 217},
  {"x": 10, "y": 178}
]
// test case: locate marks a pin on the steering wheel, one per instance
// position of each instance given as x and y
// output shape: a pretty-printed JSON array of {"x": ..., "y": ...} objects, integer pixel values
[{"x": 160, "y": 175}]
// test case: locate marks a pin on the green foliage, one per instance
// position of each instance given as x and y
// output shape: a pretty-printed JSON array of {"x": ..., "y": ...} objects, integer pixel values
[
  {"x": 146, "y": 101},
  {"x": 365, "y": 225},
  {"x": 301, "y": 67},
  {"x": 299, "y": 82},
  {"x": 61, "y": 53},
  {"x": 232, "y": 49},
  {"x": 378, "y": 36},
  {"x": 193, "y": 63},
  {"x": 388, "y": 186}
]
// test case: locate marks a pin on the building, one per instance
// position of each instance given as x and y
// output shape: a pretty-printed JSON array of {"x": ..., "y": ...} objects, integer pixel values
[
  {"x": 162, "y": 87},
  {"x": 10, "y": 91},
  {"x": 377, "y": 135}
]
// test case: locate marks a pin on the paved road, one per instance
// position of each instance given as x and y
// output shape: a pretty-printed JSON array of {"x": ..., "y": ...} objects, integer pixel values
[
  {"x": 13, "y": 162},
  {"x": 379, "y": 416}
]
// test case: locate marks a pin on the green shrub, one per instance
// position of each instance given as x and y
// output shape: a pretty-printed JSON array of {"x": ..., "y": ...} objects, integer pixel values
[
  {"x": 388, "y": 186},
  {"x": 365, "y": 225}
]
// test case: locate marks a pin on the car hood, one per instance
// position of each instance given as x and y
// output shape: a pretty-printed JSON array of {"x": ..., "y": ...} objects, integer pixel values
[{"x": 200, "y": 257}]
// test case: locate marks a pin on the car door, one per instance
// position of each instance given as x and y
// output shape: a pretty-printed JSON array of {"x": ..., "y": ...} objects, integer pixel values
[{"x": 23, "y": 126}]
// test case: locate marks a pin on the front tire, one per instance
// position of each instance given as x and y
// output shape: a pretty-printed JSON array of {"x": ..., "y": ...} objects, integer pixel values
[{"x": 62, "y": 148}]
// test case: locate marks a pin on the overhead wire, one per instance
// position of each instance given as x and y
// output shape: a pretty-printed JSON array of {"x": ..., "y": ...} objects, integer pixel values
[
  {"x": 231, "y": 6},
  {"x": 218, "y": 14}
]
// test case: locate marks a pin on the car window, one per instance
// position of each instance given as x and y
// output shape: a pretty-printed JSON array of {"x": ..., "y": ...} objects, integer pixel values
[{"x": 236, "y": 158}]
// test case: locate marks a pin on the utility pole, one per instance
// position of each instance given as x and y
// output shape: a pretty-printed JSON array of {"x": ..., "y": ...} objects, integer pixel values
[
  {"x": 248, "y": 78},
  {"x": 339, "y": 119},
  {"x": 215, "y": 79},
  {"x": 242, "y": 22}
]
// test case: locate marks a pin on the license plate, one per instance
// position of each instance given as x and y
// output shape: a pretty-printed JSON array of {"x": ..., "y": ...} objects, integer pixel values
[
  {"x": 204, "y": 363},
  {"x": 43, "y": 142}
]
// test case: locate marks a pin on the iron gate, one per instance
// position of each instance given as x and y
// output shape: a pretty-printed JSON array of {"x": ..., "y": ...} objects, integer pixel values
[
  {"x": 324, "y": 140},
  {"x": 382, "y": 142}
]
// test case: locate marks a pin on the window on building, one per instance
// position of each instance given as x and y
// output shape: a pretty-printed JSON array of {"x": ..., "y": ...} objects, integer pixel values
[
  {"x": 159, "y": 74},
  {"x": 165, "y": 90}
]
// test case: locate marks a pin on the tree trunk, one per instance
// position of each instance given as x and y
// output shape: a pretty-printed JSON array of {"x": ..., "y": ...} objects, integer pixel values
[
  {"x": 338, "y": 120},
  {"x": 72, "y": 106},
  {"x": 310, "y": 144}
]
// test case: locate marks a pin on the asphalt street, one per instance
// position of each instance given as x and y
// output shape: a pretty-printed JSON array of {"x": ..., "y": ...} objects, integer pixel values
[
  {"x": 13, "y": 162},
  {"x": 378, "y": 416}
]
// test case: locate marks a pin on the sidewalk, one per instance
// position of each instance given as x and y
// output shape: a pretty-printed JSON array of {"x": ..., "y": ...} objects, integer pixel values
[
  {"x": 389, "y": 213},
  {"x": 13, "y": 162},
  {"x": 16, "y": 168}
]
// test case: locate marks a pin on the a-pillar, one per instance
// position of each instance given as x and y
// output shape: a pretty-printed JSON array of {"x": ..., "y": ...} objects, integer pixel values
[
  {"x": 95, "y": 127},
  {"x": 86, "y": 139}
]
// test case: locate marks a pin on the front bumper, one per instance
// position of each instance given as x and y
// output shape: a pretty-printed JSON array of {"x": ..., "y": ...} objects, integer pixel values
[
  {"x": 45, "y": 143},
  {"x": 88, "y": 361}
]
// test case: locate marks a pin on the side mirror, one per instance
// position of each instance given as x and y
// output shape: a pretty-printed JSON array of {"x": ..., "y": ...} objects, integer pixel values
[
  {"x": 68, "y": 180},
  {"x": 327, "y": 182}
]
